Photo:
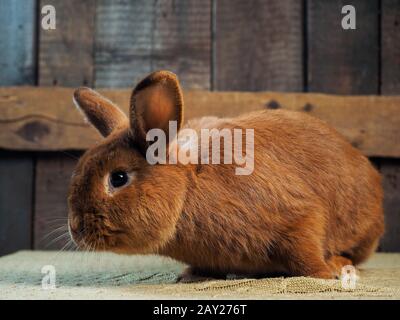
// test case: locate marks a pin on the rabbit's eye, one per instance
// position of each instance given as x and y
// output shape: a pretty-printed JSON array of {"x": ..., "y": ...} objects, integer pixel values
[{"x": 118, "y": 179}]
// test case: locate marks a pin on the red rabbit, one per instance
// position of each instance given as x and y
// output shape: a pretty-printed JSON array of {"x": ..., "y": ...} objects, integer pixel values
[{"x": 312, "y": 204}]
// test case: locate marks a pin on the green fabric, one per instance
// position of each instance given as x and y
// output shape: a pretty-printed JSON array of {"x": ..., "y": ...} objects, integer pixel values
[{"x": 82, "y": 275}]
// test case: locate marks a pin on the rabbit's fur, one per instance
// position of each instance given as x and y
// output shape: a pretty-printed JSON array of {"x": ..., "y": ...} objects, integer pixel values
[{"x": 312, "y": 204}]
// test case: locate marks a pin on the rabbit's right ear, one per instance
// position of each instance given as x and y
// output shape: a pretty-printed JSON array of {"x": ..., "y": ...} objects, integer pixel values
[
  {"x": 155, "y": 101},
  {"x": 104, "y": 115}
]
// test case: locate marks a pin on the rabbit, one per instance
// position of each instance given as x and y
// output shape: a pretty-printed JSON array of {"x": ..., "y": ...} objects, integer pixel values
[{"x": 312, "y": 204}]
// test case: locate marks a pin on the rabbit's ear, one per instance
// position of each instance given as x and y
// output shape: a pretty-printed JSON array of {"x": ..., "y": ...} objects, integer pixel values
[
  {"x": 155, "y": 101},
  {"x": 104, "y": 115}
]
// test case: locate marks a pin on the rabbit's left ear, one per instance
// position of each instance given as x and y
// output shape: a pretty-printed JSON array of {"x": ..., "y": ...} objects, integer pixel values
[{"x": 155, "y": 101}]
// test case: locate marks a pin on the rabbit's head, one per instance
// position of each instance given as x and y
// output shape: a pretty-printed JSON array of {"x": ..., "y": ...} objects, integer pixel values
[{"x": 117, "y": 200}]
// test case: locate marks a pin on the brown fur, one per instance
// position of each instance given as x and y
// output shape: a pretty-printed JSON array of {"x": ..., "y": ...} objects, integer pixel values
[{"x": 312, "y": 204}]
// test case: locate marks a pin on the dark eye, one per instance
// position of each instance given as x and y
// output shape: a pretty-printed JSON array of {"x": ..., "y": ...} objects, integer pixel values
[{"x": 118, "y": 179}]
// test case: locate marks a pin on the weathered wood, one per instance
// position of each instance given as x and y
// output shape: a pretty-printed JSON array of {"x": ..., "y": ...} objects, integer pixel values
[
  {"x": 17, "y": 67},
  {"x": 370, "y": 122},
  {"x": 17, "y": 32},
  {"x": 258, "y": 45},
  {"x": 53, "y": 173},
  {"x": 343, "y": 61},
  {"x": 390, "y": 170},
  {"x": 390, "y": 54},
  {"x": 66, "y": 53},
  {"x": 134, "y": 38},
  {"x": 390, "y": 85},
  {"x": 16, "y": 172}
]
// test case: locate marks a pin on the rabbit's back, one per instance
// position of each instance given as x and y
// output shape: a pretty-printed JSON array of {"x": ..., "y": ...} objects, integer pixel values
[
  {"x": 333, "y": 173},
  {"x": 306, "y": 176}
]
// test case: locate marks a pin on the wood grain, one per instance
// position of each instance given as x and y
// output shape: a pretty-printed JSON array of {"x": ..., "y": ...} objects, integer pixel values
[
  {"x": 17, "y": 58},
  {"x": 16, "y": 172},
  {"x": 390, "y": 85},
  {"x": 66, "y": 53},
  {"x": 390, "y": 170},
  {"x": 371, "y": 123},
  {"x": 343, "y": 61},
  {"x": 53, "y": 173},
  {"x": 17, "y": 67},
  {"x": 258, "y": 45},
  {"x": 138, "y": 37},
  {"x": 390, "y": 54}
]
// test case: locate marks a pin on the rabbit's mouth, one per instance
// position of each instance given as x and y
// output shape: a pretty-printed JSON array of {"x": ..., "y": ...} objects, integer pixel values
[
  {"x": 96, "y": 241},
  {"x": 94, "y": 233}
]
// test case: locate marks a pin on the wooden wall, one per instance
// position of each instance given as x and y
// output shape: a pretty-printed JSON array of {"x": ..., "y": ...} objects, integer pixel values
[
  {"x": 278, "y": 45},
  {"x": 17, "y": 67}
]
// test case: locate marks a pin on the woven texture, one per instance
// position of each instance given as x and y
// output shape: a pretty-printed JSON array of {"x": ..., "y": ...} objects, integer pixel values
[{"x": 108, "y": 276}]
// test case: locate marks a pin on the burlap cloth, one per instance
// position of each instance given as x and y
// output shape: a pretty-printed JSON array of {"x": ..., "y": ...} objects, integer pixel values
[{"x": 108, "y": 276}]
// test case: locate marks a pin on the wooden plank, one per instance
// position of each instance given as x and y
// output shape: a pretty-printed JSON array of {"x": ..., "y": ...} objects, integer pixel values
[
  {"x": 390, "y": 170},
  {"x": 134, "y": 38},
  {"x": 16, "y": 172},
  {"x": 17, "y": 67},
  {"x": 343, "y": 61},
  {"x": 369, "y": 122},
  {"x": 53, "y": 174},
  {"x": 17, "y": 32},
  {"x": 390, "y": 85},
  {"x": 66, "y": 53},
  {"x": 258, "y": 45},
  {"x": 390, "y": 54}
]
